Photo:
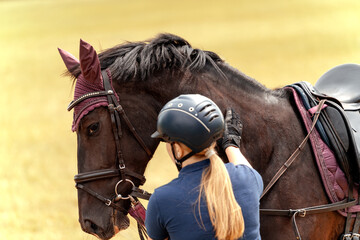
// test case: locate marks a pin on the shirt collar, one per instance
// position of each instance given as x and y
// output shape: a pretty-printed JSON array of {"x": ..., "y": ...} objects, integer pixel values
[{"x": 195, "y": 167}]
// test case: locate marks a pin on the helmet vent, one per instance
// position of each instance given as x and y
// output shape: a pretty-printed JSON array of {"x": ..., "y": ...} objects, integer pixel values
[
  {"x": 213, "y": 118},
  {"x": 207, "y": 105},
  {"x": 212, "y": 110}
]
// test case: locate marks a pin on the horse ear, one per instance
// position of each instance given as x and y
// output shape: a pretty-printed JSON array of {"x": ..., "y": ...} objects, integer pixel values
[
  {"x": 70, "y": 61},
  {"x": 90, "y": 64}
]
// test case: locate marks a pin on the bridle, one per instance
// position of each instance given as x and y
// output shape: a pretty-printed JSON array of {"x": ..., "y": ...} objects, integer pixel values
[{"x": 116, "y": 110}]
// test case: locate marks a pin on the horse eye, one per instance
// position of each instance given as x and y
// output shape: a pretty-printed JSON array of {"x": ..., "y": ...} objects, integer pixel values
[{"x": 93, "y": 128}]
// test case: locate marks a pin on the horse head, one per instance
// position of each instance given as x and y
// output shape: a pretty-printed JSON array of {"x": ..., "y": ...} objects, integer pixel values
[
  {"x": 143, "y": 76},
  {"x": 111, "y": 154}
]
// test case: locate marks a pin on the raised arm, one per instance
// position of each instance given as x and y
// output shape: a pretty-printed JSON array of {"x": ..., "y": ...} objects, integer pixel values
[
  {"x": 236, "y": 157},
  {"x": 232, "y": 137}
]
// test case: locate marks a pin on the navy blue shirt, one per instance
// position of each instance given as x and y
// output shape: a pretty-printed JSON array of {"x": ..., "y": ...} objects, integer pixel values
[{"x": 173, "y": 208}]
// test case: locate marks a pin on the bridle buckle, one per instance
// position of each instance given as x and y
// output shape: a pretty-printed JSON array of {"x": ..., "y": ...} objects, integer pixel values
[
  {"x": 108, "y": 202},
  {"x": 355, "y": 236},
  {"x": 302, "y": 212},
  {"x": 347, "y": 236},
  {"x": 121, "y": 166}
]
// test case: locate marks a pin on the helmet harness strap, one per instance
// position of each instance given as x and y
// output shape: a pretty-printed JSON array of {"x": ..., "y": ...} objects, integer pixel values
[{"x": 180, "y": 161}]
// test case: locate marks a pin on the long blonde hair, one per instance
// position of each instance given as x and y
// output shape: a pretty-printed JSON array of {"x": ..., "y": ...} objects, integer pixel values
[{"x": 224, "y": 211}]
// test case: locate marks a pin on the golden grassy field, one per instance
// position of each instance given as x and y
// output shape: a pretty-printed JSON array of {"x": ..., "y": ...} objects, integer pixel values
[{"x": 277, "y": 42}]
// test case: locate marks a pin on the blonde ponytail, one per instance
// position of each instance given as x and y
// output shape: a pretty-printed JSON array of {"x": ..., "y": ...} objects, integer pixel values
[{"x": 224, "y": 211}]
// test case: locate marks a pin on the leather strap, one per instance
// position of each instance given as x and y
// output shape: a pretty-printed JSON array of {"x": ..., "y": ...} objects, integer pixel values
[
  {"x": 357, "y": 223},
  {"x": 355, "y": 231},
  {"x": 86, "y": 96},
  {"x": 140, "y": 193},
  {"x": 115, "y": 122},
  {"x": 311, "y": 210},
  {"x": 120, "y": 110},
  {"x": 132, "y": 129},
  {"x": 302, "y": 212},
  {"x": 349, "y": 215},
  {"x": 107, "y": 201},
  {"x": 106, "y": 173},
  {"x": 295, "y": 154},
  {"x": 96, "y": 175}
]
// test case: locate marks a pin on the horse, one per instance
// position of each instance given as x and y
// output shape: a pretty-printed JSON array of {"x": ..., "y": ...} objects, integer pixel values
[{"x": 147, "y": 74}]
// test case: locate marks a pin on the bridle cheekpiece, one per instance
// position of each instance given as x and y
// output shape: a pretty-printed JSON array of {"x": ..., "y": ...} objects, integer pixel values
[{"x": 116, "y": 111}]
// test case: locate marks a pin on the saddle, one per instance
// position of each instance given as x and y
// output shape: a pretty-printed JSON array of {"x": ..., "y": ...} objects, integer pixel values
[{"x": 339, "y": 122}]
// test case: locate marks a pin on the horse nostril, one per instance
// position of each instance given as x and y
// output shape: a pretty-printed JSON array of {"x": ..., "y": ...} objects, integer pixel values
[{"x": 92, "y": 228}]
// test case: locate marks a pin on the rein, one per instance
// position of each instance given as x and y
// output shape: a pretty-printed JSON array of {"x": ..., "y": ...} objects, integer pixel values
[
  {"x": 302, "y": 212},
  {"x": 116, "y": 111}
]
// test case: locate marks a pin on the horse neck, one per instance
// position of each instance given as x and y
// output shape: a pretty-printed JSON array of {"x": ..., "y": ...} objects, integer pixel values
[
  {"x": 268, "y": 116},
  {"x": 270, "y": 124}
]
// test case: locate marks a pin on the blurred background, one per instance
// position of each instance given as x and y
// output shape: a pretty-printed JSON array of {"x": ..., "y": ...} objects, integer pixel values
[{"x": 276, "y": 42}]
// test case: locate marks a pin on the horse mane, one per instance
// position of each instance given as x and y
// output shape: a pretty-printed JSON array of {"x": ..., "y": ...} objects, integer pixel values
[
  {"x": 137, "y": 61},
  {"x": 140, "y": 60}
]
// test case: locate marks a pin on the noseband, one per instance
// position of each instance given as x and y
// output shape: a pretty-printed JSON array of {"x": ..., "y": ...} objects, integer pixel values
[{"x": 116, "y": 111}]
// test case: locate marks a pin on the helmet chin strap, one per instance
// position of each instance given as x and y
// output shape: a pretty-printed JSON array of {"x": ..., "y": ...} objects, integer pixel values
[{"x": 180, "y": 161}]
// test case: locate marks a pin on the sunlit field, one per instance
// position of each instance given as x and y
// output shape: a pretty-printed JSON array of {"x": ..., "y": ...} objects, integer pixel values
[{"x": 276, "y": 42}]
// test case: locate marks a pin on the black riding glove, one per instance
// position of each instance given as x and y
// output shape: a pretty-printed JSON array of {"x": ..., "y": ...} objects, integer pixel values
[{"x": 233, "y": 129}]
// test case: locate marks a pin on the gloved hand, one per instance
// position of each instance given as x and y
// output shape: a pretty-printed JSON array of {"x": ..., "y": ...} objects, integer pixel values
[{"x": 233, "y": 129}]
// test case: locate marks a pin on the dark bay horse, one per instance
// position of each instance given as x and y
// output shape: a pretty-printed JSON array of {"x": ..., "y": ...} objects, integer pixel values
[{"x": 148, "y": 74}]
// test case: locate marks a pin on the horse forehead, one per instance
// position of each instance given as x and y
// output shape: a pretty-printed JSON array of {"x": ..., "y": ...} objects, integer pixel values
[
  {"x": 82, "y": 88},
  {"x": 99, "y": 113}
]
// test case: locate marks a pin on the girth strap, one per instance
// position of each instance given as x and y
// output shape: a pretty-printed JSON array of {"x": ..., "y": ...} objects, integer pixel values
[
  {"x": 357, "y": 225},
  {"x": 302, "y": 212},
  {"x": 311, "y": 210},
  {"x": 355, "y": 231}
]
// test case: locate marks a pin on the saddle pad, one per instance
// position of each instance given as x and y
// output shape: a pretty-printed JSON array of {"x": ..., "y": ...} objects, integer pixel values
[{"x": 333, "y": 178}]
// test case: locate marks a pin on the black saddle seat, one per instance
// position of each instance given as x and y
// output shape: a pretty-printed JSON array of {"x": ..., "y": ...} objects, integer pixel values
[{"x": 341, "y": 82}]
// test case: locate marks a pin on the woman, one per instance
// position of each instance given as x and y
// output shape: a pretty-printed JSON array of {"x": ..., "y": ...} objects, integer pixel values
[{"x": 209, "y": 199}]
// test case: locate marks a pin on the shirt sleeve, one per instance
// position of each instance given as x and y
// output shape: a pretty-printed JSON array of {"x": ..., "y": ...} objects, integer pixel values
[
  {"x": 153, "y": 222},
  {"x": 259, "y": 181},
  {"x": 251, "y": 176}
]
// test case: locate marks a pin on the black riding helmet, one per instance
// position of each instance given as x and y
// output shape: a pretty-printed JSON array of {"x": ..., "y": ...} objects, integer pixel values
[{"x": 191, "y": 119}]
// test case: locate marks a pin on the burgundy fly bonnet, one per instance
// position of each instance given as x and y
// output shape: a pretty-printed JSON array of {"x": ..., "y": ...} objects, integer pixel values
[{"x": 89, "y": 81}]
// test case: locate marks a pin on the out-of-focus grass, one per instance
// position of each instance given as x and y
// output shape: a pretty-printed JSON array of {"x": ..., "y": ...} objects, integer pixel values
[{"x": 277, "y": 42}]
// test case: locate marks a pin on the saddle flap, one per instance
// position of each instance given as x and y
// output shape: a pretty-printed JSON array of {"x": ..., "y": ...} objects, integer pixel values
[
  {"x": 335, "y": 128},
  {"x": 338, "y": 123}
]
